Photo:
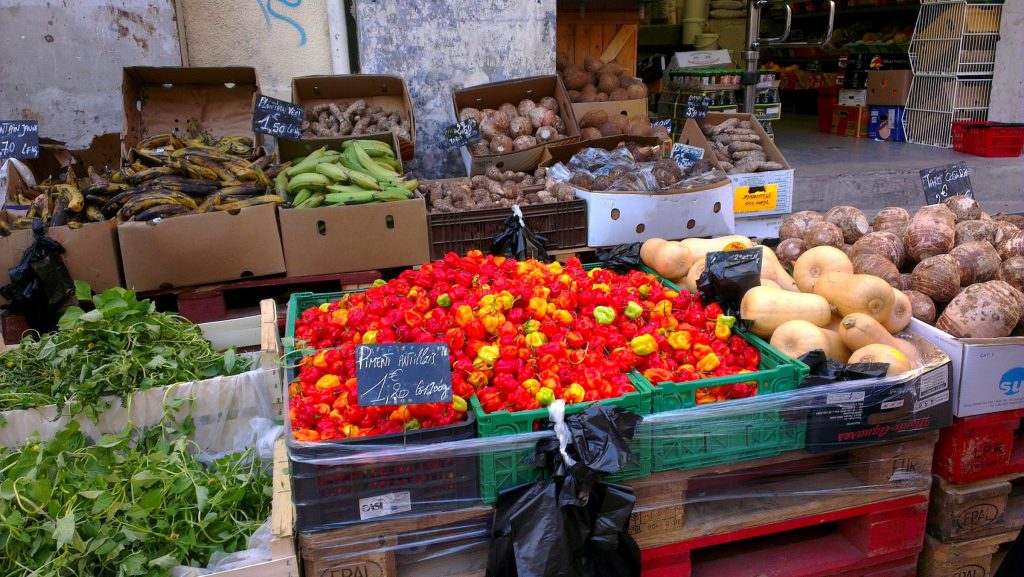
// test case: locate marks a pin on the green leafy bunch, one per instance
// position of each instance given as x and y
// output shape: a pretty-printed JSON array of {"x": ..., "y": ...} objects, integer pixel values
[
  {"x": 121, "y": 346},
  {"x": 133, "y": 503}
]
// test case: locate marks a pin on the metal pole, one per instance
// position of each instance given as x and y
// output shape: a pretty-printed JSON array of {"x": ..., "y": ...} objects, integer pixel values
[{"x": 752, "y": 54}]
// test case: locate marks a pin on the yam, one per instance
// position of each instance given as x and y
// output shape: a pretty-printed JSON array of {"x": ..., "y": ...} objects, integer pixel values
[
  {"x": 501, "y": 144},
  {"x": 984, "y": 310},
  {"x": 931, "y": 232},
  {"x": 964, "y": 208},
  {"x": 608, "y": 83},
  {"x": 592, "y": 64},
  {"x": 974, "y": 230},
  {"x": 525, "y": 106},
  {"x": 590, "y": 133},
  {"x": 520, "y": 126},
  {"x": 1011, "y": 271},
  {"x": 796, "y": 224},
  {"x": 978, "y": 262},
  {"x": 550, "y": 103},
  {"x": 789, "y": 250},
  {"x": 892, "y": 219},
  {"x": 882, "y": 243},
  {"x": 823, "y": 234},
  {"x": 525, "y": 141},
  {"x": 877, "y": 265},
  {"x": 509, "y": 110},
  {"x": 594, "y": 118},
  {"x": 1012, "y": 245},
  {"x": 938, "y": 277},
  {"x": 850, "y": 220},
  {"x": 922, "y": 306},
  {"x": 636, "y": 91}
]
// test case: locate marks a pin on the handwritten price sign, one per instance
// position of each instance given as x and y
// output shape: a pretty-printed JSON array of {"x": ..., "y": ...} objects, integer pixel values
[
  {"x": 461, "y": 133},
  {"x": 942, "y": 182},
  {"x": 697, "y": 107},
  {"x": 19, "y": 139},
  {"x": 403, "y": 374},
  {"x": 278, "y": 118}
]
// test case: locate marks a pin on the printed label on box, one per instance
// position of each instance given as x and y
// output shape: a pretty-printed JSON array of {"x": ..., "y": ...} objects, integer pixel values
[
  {"x": 757, "y": 198},
  {"x": 892, "y": 404},
  {"x": 783, "y": 181},
  {"x": 384, "y": 505},
  {"x": 839, "y": 398},
  {"x": 934, "y": 382},
  {"x": 931, "y": 401}
]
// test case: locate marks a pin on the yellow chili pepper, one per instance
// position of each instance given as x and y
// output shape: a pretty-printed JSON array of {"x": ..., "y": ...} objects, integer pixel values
[
  {"x": 545, "y": 397},
  {"x": 538, "y": 307},
  {"x": 492, "y": 321},
  {"x": 662, "y": 308},
  {"x": 328, "y": 382},
  {"x": 562, "y": 317},
  {"x": 459, "y": 404},
  {"x": 603, "y": 287},
  {"x": 709, "y": 363},
  {"x": 564, "y": 279},
  {"x": 380, "y": 282},
  {"x": 679, "y": 340},
  {"x": 542, "y": 292},
  {"x": 536, "y": 339},
  {"x": 476, "y": 378},
  {"x": 555, "y": 267},
  {"x": 350, "y": 430},
  {"x": 370, "y": 338},
  {"x": 644, "y": 345},
  {"x": 324, "y": 307},
  {"x": 645, "y": 290},
  {"x": 340, "y": 317},
  {"x": 320, "y": 360},
  {"x": 505, "y": 300},
  {"x": 401, "y": 414},
  {"x": 671, "y": 294},
  {"x": 723, "y": 326},
  {"x": 485, "y": 357},
  {"x": 531, "y": 385},
  {"x": 464, "y": 315},
  {"x": 574, "y": 394},
  {"x": 486, "y": 305}
]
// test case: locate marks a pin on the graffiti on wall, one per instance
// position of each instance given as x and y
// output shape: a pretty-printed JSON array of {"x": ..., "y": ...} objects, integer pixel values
[{"x": 270, "y": 13}]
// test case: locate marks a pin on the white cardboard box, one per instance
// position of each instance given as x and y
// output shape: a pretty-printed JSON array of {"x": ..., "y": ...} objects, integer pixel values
[
  {"x": 619, "y": 218},
  {"x": 700, "y": 59},
  {"x": 850, "y": 97},
  {"x": 760, "y": 226},
  {"x": 760, "y": 193},
  {"x": 988, "y": 374}
]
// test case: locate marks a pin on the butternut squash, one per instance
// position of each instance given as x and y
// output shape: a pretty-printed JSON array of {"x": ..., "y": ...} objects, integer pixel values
[
  {"x": 898, "y": 362},
  {"x": 856, "y": 293},
  {"x": 769, "y": 307},
  {"x": 859, "y": 330},
  {"x": 772, "y": 269},
  {"x": 902, "y": 312},
  {"x": 769, "y": 282},
  {"x": 798, "y": 337},
  {"x": 817, "y": 261},
  {"x": 670, "y": 259},
  {"x": 692, "y": 275},
  {"x": 700, "y": 247}
]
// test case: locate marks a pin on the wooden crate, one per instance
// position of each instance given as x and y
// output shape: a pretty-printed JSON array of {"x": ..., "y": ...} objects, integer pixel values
[
  {"x": 981, "y": 447},
  {"x": 973, "y": 558},
  {"x": 679, "y": 506},
  {"x": 610, "y": 35},
  {"x": 963, "y": 512}
]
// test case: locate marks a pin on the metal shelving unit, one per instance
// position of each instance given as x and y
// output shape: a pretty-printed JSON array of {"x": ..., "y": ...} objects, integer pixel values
[{"x": 952, "y": 54}]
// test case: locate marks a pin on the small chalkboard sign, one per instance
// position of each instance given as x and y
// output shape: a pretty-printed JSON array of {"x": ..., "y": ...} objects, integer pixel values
[
  {"x": 19, "y": 139},
  {"x": 461, "y": 133},
  {"x": 666, "y": 122},
  {"x": 942, "y": 182},
  {"x": 278, "y": 118},
  {"x": 403, "y": 374},
  {"x": 697, "y": 107},
  {"x": 686, "y": 155}
]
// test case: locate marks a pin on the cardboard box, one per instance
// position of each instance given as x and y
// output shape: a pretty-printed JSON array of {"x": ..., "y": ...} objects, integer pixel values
[
  {"x": 862, "y": 412},
  {"x": 196, "y": 249},
  {"x": 388, "y": 92},
  {"x": 623, "y": 217},
  {"x": 701, "y": 59},
  {"x": 91, "y": 252},
  {"x": 337, "y": 239},
  {"x": 889, "y": 87},
  {"x": 494, "y": 95},
  {"x": 627, "y": 108},
  {"x": 886, "y": 123},
  {"x": 760, "y": 193},
  {"x": 850, "y": 121},
  {"x": 849, "y": 97},
  {"x": 158, "y": 100},
  {"x": 760, "y": 226},
  {"x": 988, "y": 374}
]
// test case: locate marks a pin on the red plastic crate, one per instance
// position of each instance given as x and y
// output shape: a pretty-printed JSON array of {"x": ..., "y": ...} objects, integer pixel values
[
  {"x": 981, "y": 447},
  {"x": 988, "y": 138},
  {"x": 879, "y": 540}
]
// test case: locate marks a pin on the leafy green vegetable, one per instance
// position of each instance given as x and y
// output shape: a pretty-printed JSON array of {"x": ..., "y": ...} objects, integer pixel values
[
  {"x": 121, "y": 346},
  {"x": 134, "y": 503}
]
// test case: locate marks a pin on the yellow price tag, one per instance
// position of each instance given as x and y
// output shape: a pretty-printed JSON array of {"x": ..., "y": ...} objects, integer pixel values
[{"x": 756, "y": 198}]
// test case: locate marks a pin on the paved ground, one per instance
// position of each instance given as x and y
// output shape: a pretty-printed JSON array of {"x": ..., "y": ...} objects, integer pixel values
[{"x": 833, "y": 170}]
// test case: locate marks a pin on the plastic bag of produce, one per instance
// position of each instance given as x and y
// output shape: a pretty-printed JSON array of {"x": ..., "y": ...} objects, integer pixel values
[
  {"x": 728, "y": 275},
  {"x": 519, "y": 242},
  {"x": 825, "y": 370},
  {"x": 41, "y": 288},
  {"x": 622, "y": 258},
  {"x": 571, "y": 525}
]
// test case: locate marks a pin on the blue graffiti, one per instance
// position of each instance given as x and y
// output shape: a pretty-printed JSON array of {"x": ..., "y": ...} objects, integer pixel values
[{"x": 267, "y": 6}]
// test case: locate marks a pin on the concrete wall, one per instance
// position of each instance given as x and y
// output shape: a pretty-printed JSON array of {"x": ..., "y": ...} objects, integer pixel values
[
  {"x": 1007, "y": 103},
  {"x": 60, "y": 62},
  {"x": 281, "y": 39},
  {"x": 438, "y": 45}
]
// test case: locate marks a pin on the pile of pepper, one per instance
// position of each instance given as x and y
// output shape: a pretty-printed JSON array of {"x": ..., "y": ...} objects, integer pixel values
[{"x": 520, "y": 333}]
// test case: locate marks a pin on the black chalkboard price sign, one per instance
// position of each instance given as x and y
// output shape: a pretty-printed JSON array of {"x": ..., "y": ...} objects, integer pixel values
[
  {"x": 19, "y": 139},
  {"x": 461, "y": 133},
  {"x": 278, "y": 118},
  {"x": 942, "y": 182},
  {"x": 697, "y": 106},
  {"x": 403, "y": 374}
]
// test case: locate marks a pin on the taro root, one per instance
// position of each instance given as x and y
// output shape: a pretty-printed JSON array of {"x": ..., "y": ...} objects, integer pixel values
[
  {"x": 1011, "y": 271},
  {"x": 523, "y": 142},
  {"x": 520, "y": 126},
  {"x": 974, "y": 230},
  {"x": 922, "y": 306},
  {"x": 509, "y": 110},
  {"x": 984, "y": 310},
  {"x": 877, "y": 265},
  {"x": 931, "y": 232},
  {"x": 501, "y": 144},
  {"x": 1011, "y": 245},
  {"x": 964, "y": 208},
  {"x": 525, "y": 106},
  {"x": 882, "y": 243},
  {"x": 978, "y": 262},
  {"x": 550, "y": 103},
  {"x": 850, "y": 220},
  {"x": 824, "y": 234},
  {"x": 938, "y": 277},
  {"x": 796, "y": 224},
  {"x": 892, "y": 219},
  {"x": 789, "y": 250}
]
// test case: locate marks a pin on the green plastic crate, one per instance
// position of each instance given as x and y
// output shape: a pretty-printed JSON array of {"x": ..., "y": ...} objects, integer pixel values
[
  {"x": 501, "y": 470},
  {"x": 299, "y": 303},
  {"x": 716, "y": 440}
]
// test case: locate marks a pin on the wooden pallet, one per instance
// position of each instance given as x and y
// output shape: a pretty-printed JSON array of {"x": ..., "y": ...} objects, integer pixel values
[
  {"x": 964, "y": 512},
  {"x": 679, "y": 506},
  {"x": 239, "y": 298},
  {"x": 981, "y": 447},
  {"x": 973, "y": 558}
]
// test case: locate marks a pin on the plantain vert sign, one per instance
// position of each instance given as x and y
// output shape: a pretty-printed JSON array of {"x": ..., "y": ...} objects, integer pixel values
[
  {"x": 19, "y": 139},
  {"x": 278, "y": 118},
  {"x": 403, "y": 374}
]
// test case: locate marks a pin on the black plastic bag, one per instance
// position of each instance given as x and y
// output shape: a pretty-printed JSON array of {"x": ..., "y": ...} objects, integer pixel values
[
  {"x": 519, "y": 242},
  {"x": 825, "y": 371},
  {"x": 573, "y": 524},
  {"x": 41, "y": 288},
  {"x": 728, "y": 276},
  {"x": 624, "y": 257}
]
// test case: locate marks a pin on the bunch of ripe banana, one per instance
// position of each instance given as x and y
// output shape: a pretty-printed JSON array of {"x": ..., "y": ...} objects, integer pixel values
[
  {"x": 57, "y": 202},
  {"x": 364, "y": 171}
]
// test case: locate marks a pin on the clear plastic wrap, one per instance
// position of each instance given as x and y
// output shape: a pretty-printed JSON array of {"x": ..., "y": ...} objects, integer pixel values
[{"x": 597, "y": 169}]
